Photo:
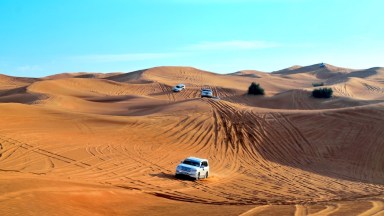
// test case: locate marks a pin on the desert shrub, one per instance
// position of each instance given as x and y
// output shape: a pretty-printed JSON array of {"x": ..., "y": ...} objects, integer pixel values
[
  {"x": 322, "y": 93},
  {"x": 317, "y": 84},
  {"x": 255, "y": 89}
]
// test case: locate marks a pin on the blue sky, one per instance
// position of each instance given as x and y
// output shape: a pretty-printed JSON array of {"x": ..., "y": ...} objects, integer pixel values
[{"x": 43, "y": 37}]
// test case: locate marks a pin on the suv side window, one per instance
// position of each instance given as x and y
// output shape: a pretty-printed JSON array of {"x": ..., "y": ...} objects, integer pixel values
[{"x": 204, "y": 163}]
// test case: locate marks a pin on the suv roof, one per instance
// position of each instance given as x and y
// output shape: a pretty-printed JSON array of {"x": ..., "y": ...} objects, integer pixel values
[{"x": 196, "y": 159}]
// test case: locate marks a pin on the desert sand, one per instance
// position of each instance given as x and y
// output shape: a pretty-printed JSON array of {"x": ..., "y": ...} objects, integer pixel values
[{"x": 108, "y": 144}]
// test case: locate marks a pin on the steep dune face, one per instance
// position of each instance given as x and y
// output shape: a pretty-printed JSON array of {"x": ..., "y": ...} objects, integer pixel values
[
  {"x": 336, "y": 143},
  {"x": 250, "y": 73},
  {"x": 375, "y": 73},
  {"x": 320, "y": 71},
  {"x": 110, "y": 144},
  {"x": 19, "y": 95},
  {"x": 9, "y": 82},
  {"x": 80, "y": 75},
  {"x": 13, "y": 89},
  {"x": 131, "y": 77},
  {"x": 313, "y": 69}
]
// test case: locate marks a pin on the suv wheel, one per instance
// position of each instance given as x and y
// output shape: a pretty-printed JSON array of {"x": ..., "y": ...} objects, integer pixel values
[
  {"x": 198, "y": 176},
  {"x": 206, "y": 175}
]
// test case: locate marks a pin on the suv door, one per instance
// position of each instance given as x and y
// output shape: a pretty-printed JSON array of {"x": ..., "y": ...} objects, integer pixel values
[{"x": 205, "y": 168}]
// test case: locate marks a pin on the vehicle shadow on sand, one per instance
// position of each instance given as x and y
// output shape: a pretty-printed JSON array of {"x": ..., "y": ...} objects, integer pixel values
[{"x": 171, "y": 176}]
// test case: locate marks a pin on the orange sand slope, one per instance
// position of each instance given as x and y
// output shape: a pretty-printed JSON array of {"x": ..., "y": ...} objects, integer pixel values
[{"x": 108, "y": 144}]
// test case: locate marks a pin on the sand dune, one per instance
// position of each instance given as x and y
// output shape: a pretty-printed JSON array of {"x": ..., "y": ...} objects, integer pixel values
[
  {"x": 108, "y": 144},
  {"x": 81, "y": 75},
  {"x": 324, "y": 72},
  {"x": 375, "y": 73},
  {"x": 250, "y": 73},
  {"x": 9, "y": 82}
]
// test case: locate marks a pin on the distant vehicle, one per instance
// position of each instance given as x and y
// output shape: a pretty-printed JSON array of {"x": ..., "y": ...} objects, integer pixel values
[
  {"x": 206, "y": 93},
  {"x": 322, "y": 65},
  {"x": 193, "y": 167},
  {"x": 178, "y": 87}
]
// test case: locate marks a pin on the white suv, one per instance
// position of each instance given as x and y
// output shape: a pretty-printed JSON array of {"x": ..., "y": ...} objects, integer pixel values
[
  {"x": 178, "y": 87},
  {"x": 206, "y": 93},
  {"x": 196, "y": 168}
]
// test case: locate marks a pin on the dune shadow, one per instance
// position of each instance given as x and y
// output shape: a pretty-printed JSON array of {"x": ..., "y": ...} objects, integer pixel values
[
  {"x": 283, "y": 101},
  {"x": 18, "y": 90}
]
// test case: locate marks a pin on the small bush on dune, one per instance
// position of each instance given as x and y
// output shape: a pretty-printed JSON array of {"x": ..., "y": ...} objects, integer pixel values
[
  {"x": 255, "y": 89},
  {"x": 317, "y": 84},
  {"x": 322, "y": 93}
]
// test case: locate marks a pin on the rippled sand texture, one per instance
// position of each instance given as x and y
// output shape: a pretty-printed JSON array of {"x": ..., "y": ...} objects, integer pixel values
[{"x": 108, "y": 144}]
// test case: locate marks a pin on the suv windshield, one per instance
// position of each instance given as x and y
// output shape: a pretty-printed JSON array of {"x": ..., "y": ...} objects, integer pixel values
[{"x": 190, "y": 162}]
